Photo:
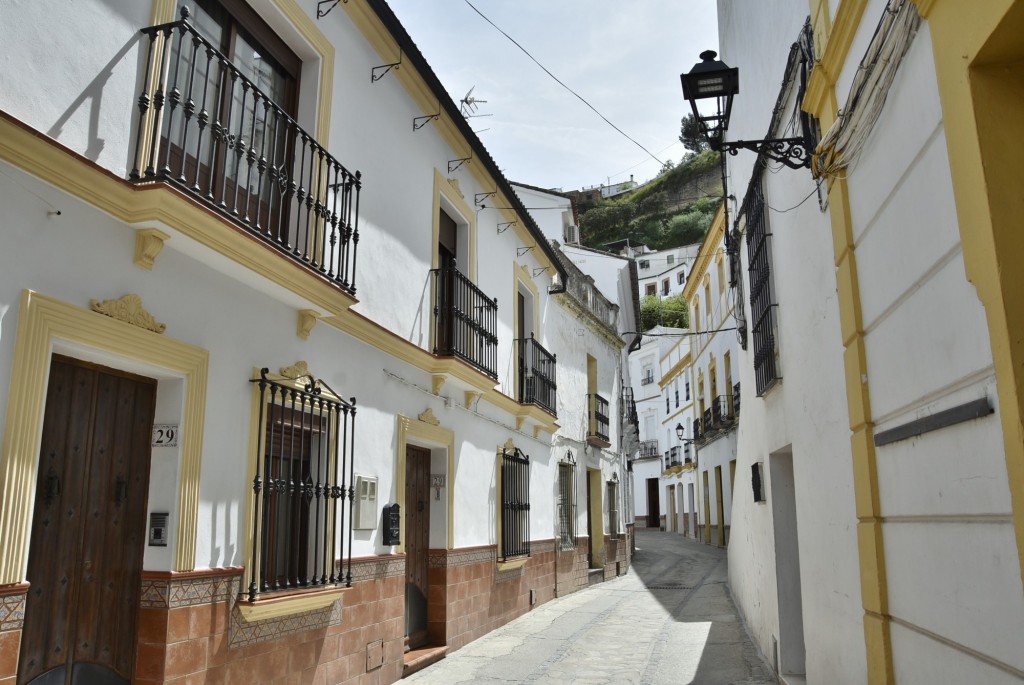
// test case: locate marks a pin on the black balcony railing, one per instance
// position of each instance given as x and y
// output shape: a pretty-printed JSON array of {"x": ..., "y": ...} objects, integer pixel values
[
  {"x": 723, "y": 411},
  {"x": 536, "y": 375},
  {"x": 465, "y": 321},
  {"x": 647, "y": 380},
  {"x": 207, "y": 129},
  {"x": 698, "y": 434},
  {"x": 736, "y": 399},
  {"x": 597, "y": 411},
  {"x": 629, "y": 413},
  {"x": 648, "y": 448},
  {"x": 673, "y": 457}
]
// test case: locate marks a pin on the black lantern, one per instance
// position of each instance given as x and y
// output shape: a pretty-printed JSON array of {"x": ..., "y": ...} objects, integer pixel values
[
  {"x": 680, "y": 431},
  {"x": 712, "y": 78}
]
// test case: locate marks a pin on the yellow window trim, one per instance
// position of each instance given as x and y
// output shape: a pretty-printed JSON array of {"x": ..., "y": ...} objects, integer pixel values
[
  {"x": 41, "y": 321},
  {"x": 707, "y": 250},
  {"x": 452, "y": 193},
  {"x": 278, "y": 606},
  {"x": 512, "y": 565}
]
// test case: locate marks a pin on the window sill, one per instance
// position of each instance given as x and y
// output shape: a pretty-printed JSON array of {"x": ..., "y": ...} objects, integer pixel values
[
  {"x": 512, "y": 565},
  {"x": 292, "y": 603}
]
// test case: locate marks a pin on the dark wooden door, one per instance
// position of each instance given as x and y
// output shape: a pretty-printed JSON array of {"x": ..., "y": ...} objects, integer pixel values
[
  {"x": 417, "y": 543},
  {"x": 88, "y": 527},
  {"x": 653, "y": 505}
]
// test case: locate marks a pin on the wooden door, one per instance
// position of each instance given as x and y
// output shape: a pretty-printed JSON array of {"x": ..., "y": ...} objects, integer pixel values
[
  {"x": 417, "y": 543},
  {"x": 653, "y": 504},
  {"x": 88, "y": 526}
]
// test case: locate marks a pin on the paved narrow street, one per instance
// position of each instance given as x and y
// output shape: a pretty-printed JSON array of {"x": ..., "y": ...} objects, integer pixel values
[{"x": 670, "y": 620}]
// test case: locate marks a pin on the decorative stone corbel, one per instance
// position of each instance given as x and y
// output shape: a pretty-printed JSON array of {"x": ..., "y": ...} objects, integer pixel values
[
  {"x": 536, "y": 431},
  {"x": 148, "y": 243},
  {"x": 130, "y": 310},
  {"x": 428, "y": 417},
  {"x": 307, "y": 319},
  {"x": 437, "y": 382},
  {"x": 520, "y": 420},
  {"x": 471, "y": 397},
  {"x": 296, "y": 370}
]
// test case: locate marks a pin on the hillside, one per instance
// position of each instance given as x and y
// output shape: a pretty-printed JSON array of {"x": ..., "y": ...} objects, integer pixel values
[{"x": 676, "y": 208}]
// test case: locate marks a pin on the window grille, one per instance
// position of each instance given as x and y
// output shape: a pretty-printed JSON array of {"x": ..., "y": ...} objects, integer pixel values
[
  {"x": 762, "y": 304},
  {"x": 567, "y": 505},
  {"x": 515, "y": 504},
  {"x": 304, "y": 453}
]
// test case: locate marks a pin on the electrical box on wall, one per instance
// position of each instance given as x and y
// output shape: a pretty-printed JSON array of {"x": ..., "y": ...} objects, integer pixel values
[
  {"x": 366, "y": 503},
  {"x": 158, "y": 529}
]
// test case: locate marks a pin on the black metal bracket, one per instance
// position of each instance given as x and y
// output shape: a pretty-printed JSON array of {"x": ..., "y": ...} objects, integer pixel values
[
  {"x": 520, "y": 251},
  {"x": 458, "y": 163},
  {"x": 792, "y": 152},
  {"x": 506, "y": 225},
  {"x": 420, "y": 122},
  {"x": 321, "y": 12},
  {"x": 376, "y": 74},
  {"x": 539, "y": 271},
  {"x": 480, "y": 197}
]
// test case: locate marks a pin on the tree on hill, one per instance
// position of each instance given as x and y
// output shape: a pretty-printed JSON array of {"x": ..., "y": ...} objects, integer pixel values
[
  {"x": 669, "y": 312},
  {"x": 690, "y": 135}
]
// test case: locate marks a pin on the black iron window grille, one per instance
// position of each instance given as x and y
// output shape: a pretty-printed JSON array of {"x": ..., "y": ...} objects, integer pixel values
[
  {"x": 762, "y": 304},
  {"x": 536, "y": 375},
  {"x": 648, "y": 448},
  {"x": 224, "y": 137},
  {"x": 687, "y": 391},
  {"x": 707, "y": 421},
  {"x": 598, "y": 414},
  {"x": 697, "y": 433},
  {"x": 515, "y": 504},
  {"x": 648, "y": 377},
  {"x": 675, "y": 389},
  {"x": 736, "y": 399},
  {"x": 303, "y": 474},
  {"x": 465, "y": 321},
  {"x": 567, "y": 505}
]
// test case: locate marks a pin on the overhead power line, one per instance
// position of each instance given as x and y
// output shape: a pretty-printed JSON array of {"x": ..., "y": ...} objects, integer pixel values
[{"x": 561, "y": 83}]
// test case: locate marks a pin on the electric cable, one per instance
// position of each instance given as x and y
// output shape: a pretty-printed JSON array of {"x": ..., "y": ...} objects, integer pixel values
[{"x": 559, "y": 82}]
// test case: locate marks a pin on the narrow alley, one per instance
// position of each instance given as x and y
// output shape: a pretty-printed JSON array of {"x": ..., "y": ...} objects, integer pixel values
[{"x": 670, "y": 620}]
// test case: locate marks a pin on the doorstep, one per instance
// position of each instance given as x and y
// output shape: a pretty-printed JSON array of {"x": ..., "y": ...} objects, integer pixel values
[
  {"x": 595, "y": 576},
  {"x": 418, "y": 659}
]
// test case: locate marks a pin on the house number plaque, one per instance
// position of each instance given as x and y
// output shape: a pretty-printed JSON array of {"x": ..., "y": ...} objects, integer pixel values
[{"x": 165, "y": 435}]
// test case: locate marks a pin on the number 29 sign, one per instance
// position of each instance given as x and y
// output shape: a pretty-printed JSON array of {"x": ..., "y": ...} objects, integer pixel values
[{"x": 165, "y": 435}]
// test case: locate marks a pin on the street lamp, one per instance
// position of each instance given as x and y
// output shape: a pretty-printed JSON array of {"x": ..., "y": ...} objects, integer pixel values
[{"x": 712, "y": 78}]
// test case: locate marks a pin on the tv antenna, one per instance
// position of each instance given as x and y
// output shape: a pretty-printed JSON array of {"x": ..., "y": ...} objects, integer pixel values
[{"x": 469, "y": 105}]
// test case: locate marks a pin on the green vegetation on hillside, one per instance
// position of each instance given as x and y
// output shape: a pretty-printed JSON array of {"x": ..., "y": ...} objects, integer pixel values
[
  {"x": 668, "y": 312},
  {"x": 648, "y": 216}
]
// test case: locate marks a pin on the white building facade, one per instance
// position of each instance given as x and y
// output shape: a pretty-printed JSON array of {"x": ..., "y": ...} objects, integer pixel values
[
  {"x": 270, "y": 321},
  {"x": 867, "y": 546}
]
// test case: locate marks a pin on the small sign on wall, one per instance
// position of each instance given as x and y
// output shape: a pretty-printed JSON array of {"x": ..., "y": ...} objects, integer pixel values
[{"x": 165, "y": 435}]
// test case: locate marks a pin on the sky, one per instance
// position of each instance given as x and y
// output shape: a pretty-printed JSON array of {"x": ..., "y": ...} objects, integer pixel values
[{"x": 624, "y": 58}]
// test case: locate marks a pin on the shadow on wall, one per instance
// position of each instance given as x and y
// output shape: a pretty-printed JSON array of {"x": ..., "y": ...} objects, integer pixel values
[{"x": 94, "y": 92}]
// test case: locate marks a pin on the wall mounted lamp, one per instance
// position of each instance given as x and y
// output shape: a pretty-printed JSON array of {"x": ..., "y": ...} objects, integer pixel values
[{"x": 712, "y": 79}]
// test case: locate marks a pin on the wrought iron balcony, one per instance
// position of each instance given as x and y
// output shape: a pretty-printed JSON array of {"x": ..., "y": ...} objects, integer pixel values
[
  {"x": 648, "y": 448},
  {"x": 629, "y": 413},
  {"x": 697, "y": 433},
  {"x": 736, "y": 399},
  {"x": 465, "y": 321},
  {"x": 536, "y": 375},
  {"x": 674, "y": 456},
  {"x": 209, "y": 130},
  {"x": 723, "y": 411},
  {"x": 647, "y": 380},
  {"x": 597, "y": 424}
]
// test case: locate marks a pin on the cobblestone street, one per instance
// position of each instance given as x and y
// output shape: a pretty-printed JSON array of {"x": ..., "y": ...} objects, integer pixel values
[{"x": 670, "y": 620}]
